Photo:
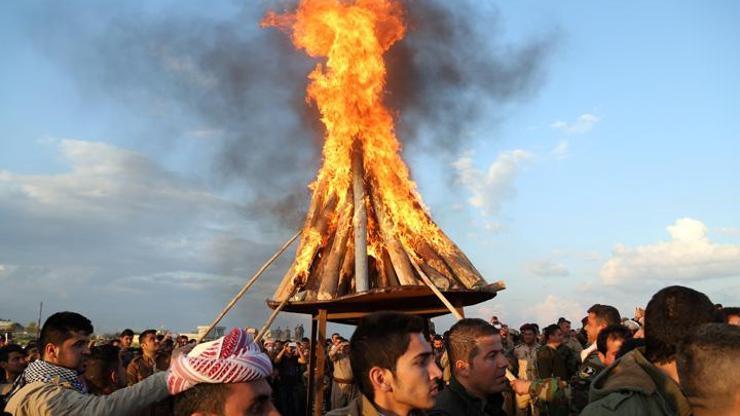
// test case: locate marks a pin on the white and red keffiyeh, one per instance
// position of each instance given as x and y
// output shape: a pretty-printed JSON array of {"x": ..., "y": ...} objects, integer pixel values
[{"x": 234, "y": 358}]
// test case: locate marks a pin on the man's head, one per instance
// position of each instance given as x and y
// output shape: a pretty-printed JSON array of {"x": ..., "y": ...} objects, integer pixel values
[
  {"x": 12, "y": 360},
  {"x": 476, "y": 357},
  {"x": 64, "y": 339},
  {"x": 529, "y": 333},
  {"x": 438, "y": 342},
  {"x": 705, "y": 360},
  {"x": 552, "y": 335},
  {"x": 610, "y": 340},
  {"x": 732, "y": 315},
  {"x": 104, "y": 372},
  {"x": 335, "y": 338},
  {"x": 564, "y": 325},
  {"x": 148, "y": 342},
  {"x": 599, "y": 317},
  {"x": 232, "y": 372},
  {"x": 504, "y": 331},
  {"x": 673, "y": 313},
  {"x": 126, "y": 338},
  {"x": 393, "y": 362}
]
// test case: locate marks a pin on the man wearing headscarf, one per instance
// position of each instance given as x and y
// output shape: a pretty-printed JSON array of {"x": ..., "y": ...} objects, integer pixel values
[{"x": 231, "y": 376}]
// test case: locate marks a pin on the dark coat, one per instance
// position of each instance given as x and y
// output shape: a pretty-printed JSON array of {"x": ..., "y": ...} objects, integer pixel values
[{"x": 455, "y": 401}]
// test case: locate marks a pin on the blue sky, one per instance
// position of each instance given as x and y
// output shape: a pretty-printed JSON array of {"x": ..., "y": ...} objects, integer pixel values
[{"x": 109, "y": 204}]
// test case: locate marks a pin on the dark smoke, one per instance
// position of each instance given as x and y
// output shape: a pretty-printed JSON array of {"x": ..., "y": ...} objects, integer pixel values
[
  {"x": 248, "y": 84},
  {"x": 451, "y": 70}
]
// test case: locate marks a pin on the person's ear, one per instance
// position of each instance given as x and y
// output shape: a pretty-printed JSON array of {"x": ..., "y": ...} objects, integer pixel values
[
  {"x": 462, "y": 368},
  {"x": 381, "y": 379},
  {"x": 114, "y": 378},
  {"x": 50, "y": 352}
]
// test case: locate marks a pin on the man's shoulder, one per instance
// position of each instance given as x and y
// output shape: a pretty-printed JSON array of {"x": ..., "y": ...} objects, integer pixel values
[
  {"x": 448, "y": 403},
  {"x": 621, "y": 403},
  {"x": 354, "y": 408},
  {"x": 31, "y": 396}
]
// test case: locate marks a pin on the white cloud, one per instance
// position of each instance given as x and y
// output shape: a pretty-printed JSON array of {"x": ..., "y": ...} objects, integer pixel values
[
  {"x": 118, "y": 229},
  {"x": 583, "y": 124},
  {"x": 490, "y": 188},
  {"x": 553, "y": 307},
  {"x": 548, "y": 268},
  {"x": 728, "y": 231},
  {"x": 561, "y": 151},
  {"x": 689, "y": 255}
]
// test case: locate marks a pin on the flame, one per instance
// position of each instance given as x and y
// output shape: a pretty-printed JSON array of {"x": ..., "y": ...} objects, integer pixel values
[{"x": 350, "y": 37}]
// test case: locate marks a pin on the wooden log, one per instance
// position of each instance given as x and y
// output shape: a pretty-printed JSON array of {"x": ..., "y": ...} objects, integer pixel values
[
  {"x": 359, "y": 221},
  {"x": 333, "y": 263},
  {"x": 464, "y": 271},
  {"x": 318, "y": 223},
  {"x": 435, "y": 290},
  {"x": 389, "y": 271},
  {"x": 347, "y": 271},
  {"x": 399, "y": 259},
  {"x": 436, "y": 277}
]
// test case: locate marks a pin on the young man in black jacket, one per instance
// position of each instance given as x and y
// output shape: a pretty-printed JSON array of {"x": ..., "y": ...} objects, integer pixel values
[{"x": 478, "y": 371}]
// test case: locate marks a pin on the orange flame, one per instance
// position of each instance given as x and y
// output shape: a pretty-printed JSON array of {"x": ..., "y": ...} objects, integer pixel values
[{"x": 348, "y": 90}]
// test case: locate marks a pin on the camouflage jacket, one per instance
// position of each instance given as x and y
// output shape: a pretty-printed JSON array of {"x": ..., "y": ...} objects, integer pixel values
[{"x": 581, "y": 382}]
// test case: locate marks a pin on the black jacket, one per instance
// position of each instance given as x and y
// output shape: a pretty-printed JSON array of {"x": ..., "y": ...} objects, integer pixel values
[{"x": 455, "y": 401}]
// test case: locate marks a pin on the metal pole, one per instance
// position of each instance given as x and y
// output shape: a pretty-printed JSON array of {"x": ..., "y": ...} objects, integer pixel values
[
  {"x": 360, "y": 219},
  {"x": 38, "y": 323},
  {"x": 246, "y": 287}
]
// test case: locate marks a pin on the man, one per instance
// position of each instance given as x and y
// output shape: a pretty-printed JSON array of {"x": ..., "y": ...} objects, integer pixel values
[
  {"x": 704, "y": 361},
  {"x": 144, "y": 365},
  {"x": 732, "y": 315},
  {"x": 232, "y": 372},
  {"x": 126, "y": 338},
  {"x": 525, "y": 359},
  {"x": 343, "y": 389},
  {"x": 478, "y": 371},
  {"x": 291, "y": 392},
  {"x": 569, "y": 340},
  {"x": 393, "y": 366},
  {"x": 104, "y": 372},
  {"x": 599, "y": 317},
  {"x": 12, "y": 364},
  {"x": 51, "y": 386},
  {"x": 609, "y": 342},
  {"x": 645, "y": 380}
]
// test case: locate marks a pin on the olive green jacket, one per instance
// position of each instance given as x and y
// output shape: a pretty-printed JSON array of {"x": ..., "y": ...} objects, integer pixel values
[{"x": 633, "y": 386}]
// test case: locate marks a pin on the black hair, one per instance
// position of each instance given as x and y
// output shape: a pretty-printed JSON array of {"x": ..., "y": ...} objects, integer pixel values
[
  {"x": 550, "y": 331},
  {"x": 60, "y": 326},
  {"x": 103, "y": 359},
  {"x": 203, "y": 397},
  {"x": 615, "y": 331},
  {"x": 126, "y": 333},
  {"x": 379, "y": 340},
  {"x": 673, "y": 313},
  {"x": 143, "y": 334},
  {"x": 605, "y": 314},
  {"x": 461, "y": 341},
  {"x": 730, "y": 311},
  {"x": 528, "y": 327},
  {"x": 705, "y": 359},
  {"x": 6, "y": 349}
]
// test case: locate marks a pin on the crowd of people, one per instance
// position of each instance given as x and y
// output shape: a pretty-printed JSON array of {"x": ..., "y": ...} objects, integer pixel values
[{"x": 675, "y": 357}]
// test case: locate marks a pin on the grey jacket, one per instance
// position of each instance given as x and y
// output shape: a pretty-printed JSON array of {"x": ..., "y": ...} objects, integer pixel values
[{"x": 53, "y": 399}]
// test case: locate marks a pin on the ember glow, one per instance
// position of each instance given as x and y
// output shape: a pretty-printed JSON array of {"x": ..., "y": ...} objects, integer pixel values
[{"x": 349, "y": 39}]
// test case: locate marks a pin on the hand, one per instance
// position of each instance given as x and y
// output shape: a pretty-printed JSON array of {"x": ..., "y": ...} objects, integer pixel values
[{"x": 521, "y": 387}]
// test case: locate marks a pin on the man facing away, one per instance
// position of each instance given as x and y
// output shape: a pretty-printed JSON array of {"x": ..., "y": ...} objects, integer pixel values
[
  {"x": 645, "y": 380},
  {"x": 393, "y": 366},
  {"x": 232, "y": 372},
  {"x": 51, "y": 386},
  {"x": 704, "y": 361},
  {"x": 104, "y": 372},
  {"x": 478, "y": 371},
  {"x": 144, "y": 365},
  {"x": 568, "y": 339}
]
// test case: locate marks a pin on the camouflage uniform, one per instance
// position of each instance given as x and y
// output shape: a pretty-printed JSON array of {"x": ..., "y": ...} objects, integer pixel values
[
  {"x": 525, "y": 360},
  {"x": 581, "y": 382}
]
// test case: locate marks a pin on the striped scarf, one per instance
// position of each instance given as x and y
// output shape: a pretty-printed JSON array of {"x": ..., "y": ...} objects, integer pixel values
[{"x": 44, "y": 372}]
